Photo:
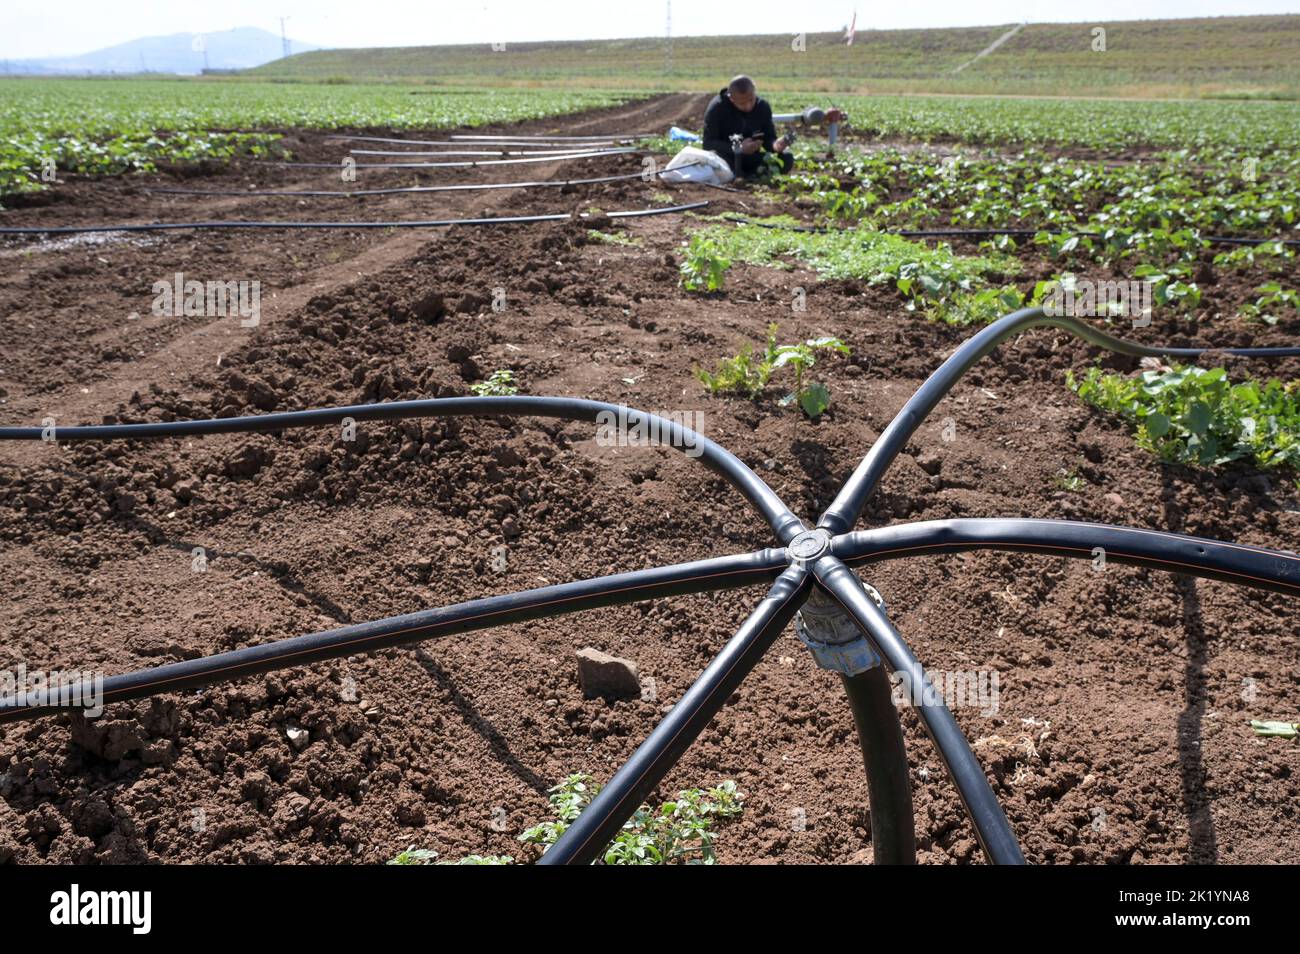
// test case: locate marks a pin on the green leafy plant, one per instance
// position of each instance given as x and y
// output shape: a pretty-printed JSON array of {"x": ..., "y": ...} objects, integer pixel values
[
  {"x": 424, "y": 856},
  {"x": 679, "y": 831},
  {"x": 1169, "y": 285},
  {"x": 978, "y": 307},
  {"x": 500, "y": 383},
  {"x": 1070, "y": 480},
  {"x": 613, "y": 238},
  {"x": 748, "y": 374},
  {"x": 414, "y": 856},
  {"x": 485, "y": 860},
  {"x": 812, "y": 396},
  {"x": 1196, "y": 416},
  {"x": 706, "y": 264},
  {"x": 1272, "y": 303},
  {"x": 1271, "y": 256},
  {"x": 930, "y": 279}
]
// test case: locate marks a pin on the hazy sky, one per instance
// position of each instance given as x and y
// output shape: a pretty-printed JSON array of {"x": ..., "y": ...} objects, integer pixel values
[{"x": 66, "y": 27}]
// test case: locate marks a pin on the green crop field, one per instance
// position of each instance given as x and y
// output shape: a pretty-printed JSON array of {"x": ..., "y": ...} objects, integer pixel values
[
  {"x": 106, "y": 126},
  {"x": 1079, "y": 123},
  {"x": 1222, "y": 56}
]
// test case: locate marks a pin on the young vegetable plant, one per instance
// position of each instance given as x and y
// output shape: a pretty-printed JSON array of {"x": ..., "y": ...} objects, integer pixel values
[
  {"x": 748, "y": 375},
  {"x": 706, "y": 265},
  {"x": 679, "y": 831},
  {"x": 1272, "y": 303},
  {"x": 613, "y": 238},
  {"x": 424, "y": 856},
  {"x": 1191, "y": 415},
  {"x": 813, "y": 397},
  {"x": 500, "y": 383},
  {"x": 1169, "y": 285}
]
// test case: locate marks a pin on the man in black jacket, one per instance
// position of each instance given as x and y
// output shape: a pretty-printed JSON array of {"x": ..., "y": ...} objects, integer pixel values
[{"x": 739, "y": 109}]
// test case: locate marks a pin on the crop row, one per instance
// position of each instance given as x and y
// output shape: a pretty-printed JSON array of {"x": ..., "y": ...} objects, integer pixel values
[
  {"x": 110, "y": 126},
  {"x": 1077, "y": 123}
]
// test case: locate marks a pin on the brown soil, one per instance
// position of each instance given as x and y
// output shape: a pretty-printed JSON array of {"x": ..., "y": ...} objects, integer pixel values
[{"x": 1121, "y": 734}]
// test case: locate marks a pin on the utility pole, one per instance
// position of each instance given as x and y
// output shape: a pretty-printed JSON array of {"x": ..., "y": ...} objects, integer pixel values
[
  {"x": 668, "y": 36},
  {"x": 284, "y": 38}
]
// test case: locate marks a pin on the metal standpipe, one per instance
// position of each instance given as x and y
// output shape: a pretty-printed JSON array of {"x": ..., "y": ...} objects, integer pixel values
[{"x": 839, "y": 645}]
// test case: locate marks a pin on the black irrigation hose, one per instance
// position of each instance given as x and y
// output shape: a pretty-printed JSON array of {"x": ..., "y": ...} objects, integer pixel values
[
  {"x": 563, "y": 157},
  {"x": 617, "y": 589},
  {"x": 848, "y": 503},
  {"x": 585, "y": 839},
  {"x": 469, "y": 187},
  {"x": 971, "y": 233},
  {"x": 884, "y": 757},
  {"x": 1256, "y": 567},
  {"x": 784, "y": 523},
  {"x": 986, "y": 814},
  {"x": 461, "y": 152},
  {"x": 595, "y": 138},
  {"x": 461, "y": 143},
  {"x": 419, "y": 224}
]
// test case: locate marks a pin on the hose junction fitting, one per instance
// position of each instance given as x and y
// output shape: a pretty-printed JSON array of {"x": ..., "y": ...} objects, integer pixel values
[{"x": 836, "y": 642}]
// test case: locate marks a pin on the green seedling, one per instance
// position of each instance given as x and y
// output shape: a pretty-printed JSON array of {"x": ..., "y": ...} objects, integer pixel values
[
  {"x": 747, "y": 374},
  {"x": 679, "y": 831},
  {"x": 499, "y": 384},
  {"x": 705, "y": 267},
  {"x": 1278, "y": 730}
]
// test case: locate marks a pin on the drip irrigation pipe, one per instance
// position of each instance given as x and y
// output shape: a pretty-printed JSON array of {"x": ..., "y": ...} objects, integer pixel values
[
  {"x": 968, "y": 233},
  {"x": 721, "y": 461},
  {"x": 585, "y": 839},
  {"x": 417, "y": 224},
  {"x": 848, "y": 503},
  {"x": 544, "y": 183},
  {"x": 1256, "y": 567},
  {"x": 462, "y": 152},
  {"x": 991, "y": 826},
  {"x": 562, "y": 157},
  {"x": 453, "y": 143},
  {"x": 628, "y": 136},
  {"x": 699, "y": 576},
  {"x": 884, "y": 758}
]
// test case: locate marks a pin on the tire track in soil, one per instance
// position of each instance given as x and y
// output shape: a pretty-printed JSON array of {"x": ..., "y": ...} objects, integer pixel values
[{"x": 200, "y": 347}]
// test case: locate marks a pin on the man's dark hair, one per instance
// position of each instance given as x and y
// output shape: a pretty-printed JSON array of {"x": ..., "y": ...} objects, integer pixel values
[{"x": 741, "y": 84}]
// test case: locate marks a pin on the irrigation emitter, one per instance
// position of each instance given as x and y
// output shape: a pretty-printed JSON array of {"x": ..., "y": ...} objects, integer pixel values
[{"x": 811, "y": 581}]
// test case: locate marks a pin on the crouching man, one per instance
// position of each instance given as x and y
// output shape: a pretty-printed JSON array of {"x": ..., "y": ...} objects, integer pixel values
[{"x": 739, "y": 110}]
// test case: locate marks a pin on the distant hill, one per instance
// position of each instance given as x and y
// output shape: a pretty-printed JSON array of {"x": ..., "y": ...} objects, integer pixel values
[
  {"x": 238, "y": 49},
  {"x": 1232, "y": 56}
]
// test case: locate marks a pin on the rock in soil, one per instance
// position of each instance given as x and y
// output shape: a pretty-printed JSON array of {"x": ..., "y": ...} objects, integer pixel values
[{"x": 606, "y": 676}]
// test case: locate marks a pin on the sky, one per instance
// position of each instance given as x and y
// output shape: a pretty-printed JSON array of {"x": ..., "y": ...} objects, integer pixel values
[{"x": 69, "y": 27}]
